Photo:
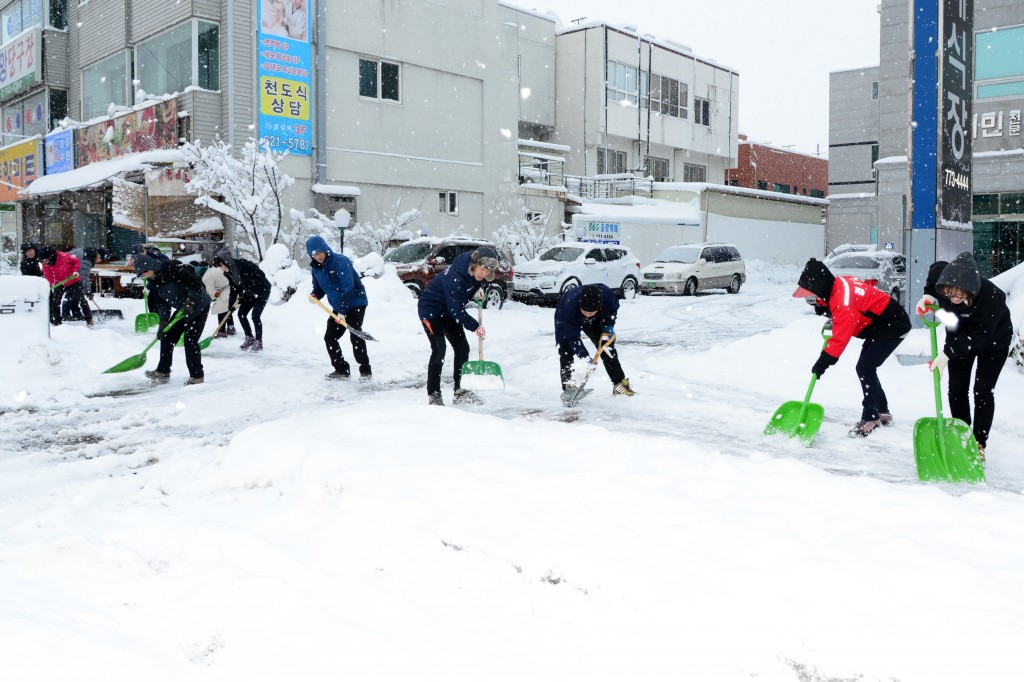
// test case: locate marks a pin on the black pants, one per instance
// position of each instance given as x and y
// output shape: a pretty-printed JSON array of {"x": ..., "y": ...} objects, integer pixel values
[
  {"x": 610, "y": 357},
  {"x": 872, "y": 355},
  {"x": 438, "y": 331},
  {"x": 75, "y": 307},
  {"x": 76, "y": 296},
  {"x": 332, "y": 338},
  {"x": 192, "y": 329},
  {"x": 985, "y": 377},
  {"x": 256, "y": 306}
]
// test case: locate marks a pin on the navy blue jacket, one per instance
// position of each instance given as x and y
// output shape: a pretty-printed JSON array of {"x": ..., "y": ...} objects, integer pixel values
[
  {"x": 448, "y": 293},
  {"x": 174, "y": 284},
  {"x": 337, "y": 278},
  {"x": 569, "y": 320}
]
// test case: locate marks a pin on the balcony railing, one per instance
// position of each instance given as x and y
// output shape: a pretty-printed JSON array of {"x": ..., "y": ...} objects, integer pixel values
[{"x": 608, "y": 186}]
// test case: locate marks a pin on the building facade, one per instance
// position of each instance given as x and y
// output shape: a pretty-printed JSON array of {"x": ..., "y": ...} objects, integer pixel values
[
  {"x": 997, "y": 140},
  {"x": 628, "y": 103},
  {"x": 773, "y": 169}
]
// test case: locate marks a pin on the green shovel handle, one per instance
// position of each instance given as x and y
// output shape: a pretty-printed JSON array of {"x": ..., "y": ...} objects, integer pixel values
[
  {"x": 932, "y": 327},
  {"x": 174, "y": 320},
  {"x": 64, "y": 281},
  {"x": 826, "y": 334}
]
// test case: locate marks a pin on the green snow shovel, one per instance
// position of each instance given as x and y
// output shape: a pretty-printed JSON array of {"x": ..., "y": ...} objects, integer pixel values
[
  {"x": 945, "y": 449},
  {"x": 144, "y": 321},
  {"x": 800, "y": 419},
  {"x": 205, "y": 343},
  {"x": 136, "y": 361},
  {"x": 481, "y": 374}
]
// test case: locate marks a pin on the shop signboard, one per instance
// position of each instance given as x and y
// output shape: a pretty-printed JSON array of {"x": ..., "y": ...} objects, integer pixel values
[
  {"x": 21, "y": 63},
  {"x": 19, "y": 165},
  {"x": 59, "y": 150},
  {"x": 599, "y": 232},
  {"x": 955, "y": 199},
  {"x": 155, "y": 127},
  {"x": 284, "y": 65}
]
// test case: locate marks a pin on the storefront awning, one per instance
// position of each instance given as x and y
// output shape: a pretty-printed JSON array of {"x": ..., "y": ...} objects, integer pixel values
[{"x": 98, "y": 173}]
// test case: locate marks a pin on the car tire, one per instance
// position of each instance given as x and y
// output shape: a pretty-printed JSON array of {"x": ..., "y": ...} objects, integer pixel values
[
  {"x": 734, "y": 285},
  {"x": 690, "y": 289},
  {"x": 415, "y": 287},
  {"x": 570, "y": 283},
  {"x": 493, "y": 297},
  {"x": 628, "y": 289}
]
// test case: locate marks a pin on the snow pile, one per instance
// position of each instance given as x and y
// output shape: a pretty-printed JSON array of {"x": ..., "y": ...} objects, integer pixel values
[{"x": 283, "y": 272}]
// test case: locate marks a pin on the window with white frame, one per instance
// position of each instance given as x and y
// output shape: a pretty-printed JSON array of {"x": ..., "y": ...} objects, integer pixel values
[
  {"x": 448, "y": 202},
  {"x": 702, "y": 111},
  {"x": 610, "y": 161},
  {"x": 669, "y": 96},
  {"x": 187, "y": 55},
  {"x": 107, "y": 82},
  {"x": 622, "y": 82},
  {"x": 693, "y": 172},
  {"x": 22, "y": 15},
  {"x": 999, "y": 63},
  {"x": 657, "y": 168},
  {"x": 380, "y": 80}
]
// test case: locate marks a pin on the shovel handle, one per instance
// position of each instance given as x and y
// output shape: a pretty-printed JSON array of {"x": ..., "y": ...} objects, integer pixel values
[
  {"x": 480, "y": 339},
  {"x": 337, "y": 318}
]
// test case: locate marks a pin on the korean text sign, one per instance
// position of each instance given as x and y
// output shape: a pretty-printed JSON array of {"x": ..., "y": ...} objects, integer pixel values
[
  {"x": 20, "y": 63},
  {"x": 284, "y": 66},
  {"x": 19, "y": 165}
]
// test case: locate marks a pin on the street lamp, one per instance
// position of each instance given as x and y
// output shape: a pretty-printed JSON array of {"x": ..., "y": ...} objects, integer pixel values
[{"x": 342, "y": 218}]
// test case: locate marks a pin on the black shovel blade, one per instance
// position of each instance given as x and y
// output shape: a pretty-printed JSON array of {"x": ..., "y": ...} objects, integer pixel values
[
  {"x": 361, "y": 334},
  {"x": 108, "y": 314}
]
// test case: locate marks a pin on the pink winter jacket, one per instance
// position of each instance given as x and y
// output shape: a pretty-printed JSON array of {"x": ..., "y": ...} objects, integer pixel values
[{"x": 66, "y": 266}]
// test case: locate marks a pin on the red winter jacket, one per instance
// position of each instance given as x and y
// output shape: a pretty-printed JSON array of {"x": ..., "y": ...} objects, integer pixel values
[
  {"x": 66, "y": 266},
  {"x": 855, "y": 306}
]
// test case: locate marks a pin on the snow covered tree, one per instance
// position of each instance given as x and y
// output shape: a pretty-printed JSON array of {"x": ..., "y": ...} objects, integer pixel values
[
  {"x": 522, "y": 237},
  {"x": 248, "y": 190},
  {"x": 389, "y": 225}
]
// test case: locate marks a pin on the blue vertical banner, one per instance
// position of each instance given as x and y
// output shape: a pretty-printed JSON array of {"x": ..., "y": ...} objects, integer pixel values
[
  {"x": 925, "y": 111},
  {"x": 59, "y": 152},
  {"x": 284, "y": 66},
  {"x": 955, "y": 186}
]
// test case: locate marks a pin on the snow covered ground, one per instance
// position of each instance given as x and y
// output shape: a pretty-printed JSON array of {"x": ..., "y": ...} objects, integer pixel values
[{"x": 269, "y": 525}]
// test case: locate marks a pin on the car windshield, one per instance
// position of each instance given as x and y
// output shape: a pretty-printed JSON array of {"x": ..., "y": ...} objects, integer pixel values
[
  {"x": 680, "y": 254},
  {"x": 852, "y": 262},
  {"x": 410, "y": 252},
  {"x": 563, "y": 254}
]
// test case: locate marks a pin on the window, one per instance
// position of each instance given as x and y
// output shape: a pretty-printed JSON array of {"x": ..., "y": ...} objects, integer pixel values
[
  {"x": 999, "y": 59},
  {"x": 874, "y": 89},
  {"x": 379, "y": 80},
  {"x": 186, "y": 55},
  {"x": 669, "y": 96},
  {"x": 105, "y": 83},
  {"x": 448, "y": 202},
  {"x": 658, "y": 168},
  {"x": 622, "y": 82},
  {"x": 702, "y": 111},
  {"x": 1011, "y": 204},
  {"x": 694, "y": 173},
  {"x": 535, "y": 217},
  {"x": 59, "y": 13},
  {"x": 762, "y": 184},
  {"x": 817, "y": 193},
  {"x": 596, "y": 254},
  {"x": 610, "y": 162},
  {"x": 779, "y": 187},
  {"x": 986, "y": 204}
]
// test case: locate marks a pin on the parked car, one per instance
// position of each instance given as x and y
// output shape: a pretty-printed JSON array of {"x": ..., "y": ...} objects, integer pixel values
[
  {"x": 418, "y": 261},
  {"x": 844, "y": 249},
  {"x": 884, "y": 270},
  {"x": 689, "y": 268},
  {"x": 545, "y": 278}
]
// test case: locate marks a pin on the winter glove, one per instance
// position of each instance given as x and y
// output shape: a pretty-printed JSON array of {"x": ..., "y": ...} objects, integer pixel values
[
  {"x": 608, "y": 330},
  {"x": 939, "y": 363},
  {"x": 924, "y": 302},
  {"x": 89, "y": 296},
  {"x": 481, "y": 332},
  {"x": 313, "y": 298},
  {"x": 823, "y": 362},
  {"x": 161, "y": 331},
  {"x": 188, "y": 308}
]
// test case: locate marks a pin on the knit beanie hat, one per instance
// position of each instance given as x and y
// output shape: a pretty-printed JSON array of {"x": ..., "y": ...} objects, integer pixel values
[{"x": 590, "y": 299}]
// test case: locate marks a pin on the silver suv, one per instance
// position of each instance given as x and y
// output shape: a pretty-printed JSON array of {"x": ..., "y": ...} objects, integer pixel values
[{"x": 689, "y": 268}]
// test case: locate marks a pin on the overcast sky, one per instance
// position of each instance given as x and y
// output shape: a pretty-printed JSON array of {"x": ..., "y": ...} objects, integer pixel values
[{"x": 783, "y": 50}]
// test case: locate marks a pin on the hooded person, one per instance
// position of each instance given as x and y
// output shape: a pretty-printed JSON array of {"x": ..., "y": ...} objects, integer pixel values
[
  {"x": 335, "y": 277},
  {"x": 30, "y": 260},
  {"x": 982, "y": 333},
  {"x": 251, "y": 289},
  {"x": 219, "y": 289},
  {"x": 857, "y": 309},
  {"x": 442, "y": 312},
  {"x": 76, "y": 308},
  {"x": 61, "y": 270},
  {"x": 591, "y": 310},
  {"x": 176, "y": 288}
]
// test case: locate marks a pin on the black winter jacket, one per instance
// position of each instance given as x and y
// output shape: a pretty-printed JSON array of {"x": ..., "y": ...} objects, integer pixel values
[
  {"x": 253, "y": 282},
  {"x": 30, "y": 267},
  {"x": 985, "y": 326},
  {"x": 174, "y": 284}
]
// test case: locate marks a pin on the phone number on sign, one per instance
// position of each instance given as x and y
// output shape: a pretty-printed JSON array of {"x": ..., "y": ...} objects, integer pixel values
[{"x": 289, "y": 143}]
